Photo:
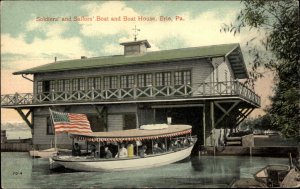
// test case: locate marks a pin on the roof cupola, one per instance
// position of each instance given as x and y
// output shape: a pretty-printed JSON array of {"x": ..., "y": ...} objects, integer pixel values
[{"x": 135, "y": 47}]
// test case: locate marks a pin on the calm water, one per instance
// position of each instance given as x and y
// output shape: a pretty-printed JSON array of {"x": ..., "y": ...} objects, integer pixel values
[{"x": 18, "y": 170}]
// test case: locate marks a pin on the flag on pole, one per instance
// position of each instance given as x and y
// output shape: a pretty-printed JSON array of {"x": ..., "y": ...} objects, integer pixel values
[{"x": 70, "y": 123}]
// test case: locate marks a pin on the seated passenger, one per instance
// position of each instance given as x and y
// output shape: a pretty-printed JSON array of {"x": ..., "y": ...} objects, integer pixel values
[
  {"x": 185, "y": 142},
  {"x": 163, "y": 147},
  {"x": 172, "y": 146},
  {"x": 142, "y": 151},
  {"x": 108, "y": 153},
  {"x": 157, "y": 149},
  {"x": 76, "y": 151},
  {"x": 122, "y": 152},
  {"x": 93, "y": 150},
  {"x": 178, "y": 144}
]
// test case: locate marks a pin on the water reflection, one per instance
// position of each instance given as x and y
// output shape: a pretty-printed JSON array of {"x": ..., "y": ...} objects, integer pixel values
[
  {"x": 196, "y": 172},
  {"x": 216, "y": 170}
]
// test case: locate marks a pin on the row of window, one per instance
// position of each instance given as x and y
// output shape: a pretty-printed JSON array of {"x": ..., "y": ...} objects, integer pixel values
[{"x": 111, "y": 82}]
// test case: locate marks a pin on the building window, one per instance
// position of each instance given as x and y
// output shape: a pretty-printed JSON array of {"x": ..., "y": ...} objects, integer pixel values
[
  {"x": 182, "y": 78},
  {"x": 110, "y": 82},
  {"x": 144, "y": 80},
  {"x": 90, "y": 84},
  {"x": 163, "y": 79},
  {"x": 81, "y": 84},
  {"x": 60, "y": 85},
  {"x": 78, "y": 84},
  {"x": 75, "y": 84},
  {"x": 50, "y": 130},
  {"x": 63, "y": 85},
  {"x": 39, "y": 86},
  {"x": 94, "y": 83},
  {"x": 67, "y": 85},
  {"x": 97, "y": 81},
  {"x": 127, "y": 81},
  {"x": 52, "y": 86}
]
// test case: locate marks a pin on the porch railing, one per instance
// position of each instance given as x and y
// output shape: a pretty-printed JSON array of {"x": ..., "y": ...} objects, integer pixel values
[{"x": 230, "y": 88}]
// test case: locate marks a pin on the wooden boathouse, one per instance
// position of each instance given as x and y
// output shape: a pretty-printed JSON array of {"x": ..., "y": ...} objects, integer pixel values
[{"x": 198, "y": 86}]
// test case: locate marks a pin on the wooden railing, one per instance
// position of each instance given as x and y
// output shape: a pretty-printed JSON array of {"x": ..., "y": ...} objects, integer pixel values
[{"x": 230, "y": 88}]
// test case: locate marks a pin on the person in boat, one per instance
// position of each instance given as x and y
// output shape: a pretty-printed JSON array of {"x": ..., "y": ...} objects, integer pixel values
[
  {"x": 113, "y": 147},
  {"x": 93, "y": 150},
  {"x": 185, "y": 142},
  {"x": 122, "y": 152},
  {"x": 157, "y": 149},
  {"x": 142, "y": 151},
  {"x": 172, "y": 146},
  {"x": 76, "y": 150},
  {"x": 178, "y": 143},
  {"x": 163, "y": 147},
  {"x": 108, "y": 153}
]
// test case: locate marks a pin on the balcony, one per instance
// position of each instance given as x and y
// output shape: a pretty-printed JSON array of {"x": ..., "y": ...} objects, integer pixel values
[{"x": 220, "y": 90}]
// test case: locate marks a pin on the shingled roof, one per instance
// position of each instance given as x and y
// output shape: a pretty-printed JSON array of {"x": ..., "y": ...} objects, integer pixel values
[{"x": 147, "y": 58}]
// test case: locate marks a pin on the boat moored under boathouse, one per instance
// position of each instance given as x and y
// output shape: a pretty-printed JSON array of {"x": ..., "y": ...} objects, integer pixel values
[{"x": 198, "y": 86}]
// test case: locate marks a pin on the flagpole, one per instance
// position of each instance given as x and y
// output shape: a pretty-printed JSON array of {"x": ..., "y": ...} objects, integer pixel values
[{"x": 55, "y": 137}]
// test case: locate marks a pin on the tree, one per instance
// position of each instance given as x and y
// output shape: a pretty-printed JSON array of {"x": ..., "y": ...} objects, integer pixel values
[
  {"x": 262, "y": 123},
  {"x": 279, "y": 23}
]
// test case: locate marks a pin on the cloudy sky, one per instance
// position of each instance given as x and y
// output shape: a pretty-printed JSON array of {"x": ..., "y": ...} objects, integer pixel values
[{"x": 28, "y": 40}]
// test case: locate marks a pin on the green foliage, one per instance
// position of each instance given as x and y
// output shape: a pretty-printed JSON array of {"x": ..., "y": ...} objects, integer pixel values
[
  {"x": 279, "y": 22},
  {"x": 262, "y": 123}
]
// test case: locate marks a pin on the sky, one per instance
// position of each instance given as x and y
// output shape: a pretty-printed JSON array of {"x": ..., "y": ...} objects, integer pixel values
[{"x": 34, "y": 32}]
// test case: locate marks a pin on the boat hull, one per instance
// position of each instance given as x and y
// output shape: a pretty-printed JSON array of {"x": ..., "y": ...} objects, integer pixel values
[{"x": 79, "y": 164}]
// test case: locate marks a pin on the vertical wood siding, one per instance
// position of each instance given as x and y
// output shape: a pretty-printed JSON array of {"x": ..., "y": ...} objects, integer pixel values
[{"x": 115, "y": 122}]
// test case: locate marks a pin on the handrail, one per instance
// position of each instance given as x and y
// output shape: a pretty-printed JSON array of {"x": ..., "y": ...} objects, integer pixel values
[{"x": 229, "y": 88}]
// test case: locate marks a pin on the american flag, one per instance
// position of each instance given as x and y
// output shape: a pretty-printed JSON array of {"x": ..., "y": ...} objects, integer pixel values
[{"x": 70, "y": 123}]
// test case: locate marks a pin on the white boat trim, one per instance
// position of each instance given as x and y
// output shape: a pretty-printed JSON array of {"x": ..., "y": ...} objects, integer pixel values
[{"x": 43, "y": 153}]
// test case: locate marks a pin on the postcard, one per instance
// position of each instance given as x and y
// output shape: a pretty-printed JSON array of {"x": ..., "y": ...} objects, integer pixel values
[{"x": 131, "y": 94}]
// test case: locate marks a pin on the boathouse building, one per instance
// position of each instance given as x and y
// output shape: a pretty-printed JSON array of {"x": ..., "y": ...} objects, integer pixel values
[{"x": 198, "y": 86}]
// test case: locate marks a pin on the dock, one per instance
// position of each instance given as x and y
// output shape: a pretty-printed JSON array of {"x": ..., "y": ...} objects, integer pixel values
[{"x": 14, "y": 145}]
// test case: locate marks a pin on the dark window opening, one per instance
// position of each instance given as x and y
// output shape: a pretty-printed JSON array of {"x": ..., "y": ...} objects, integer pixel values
[
  {"x": 129, "y": 121},
  {"x": 50, "y": 127}
]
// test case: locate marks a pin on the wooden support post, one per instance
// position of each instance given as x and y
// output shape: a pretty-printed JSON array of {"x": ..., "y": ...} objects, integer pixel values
[
  {"x": 72, "y": 145},
  {"x": 204, "y": 125},
  {"x": 102, "y": 112},
  {"x": 166, "y": 144},
  {"x": 154, "y": 115},
  {"x": 87, "y": 147},
  {"x": 212, "y": 116},
  {"x": 226, "y": 112},
  {"x": 137, "y": 117},
  {"x": 25, "y": 117},
  {"x": 99, "y": 148},
  {"x": 244, "y": 116},
  {"x": 152, "y": 146}
]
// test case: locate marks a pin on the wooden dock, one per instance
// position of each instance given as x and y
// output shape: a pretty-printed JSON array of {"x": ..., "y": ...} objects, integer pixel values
[
  {"x": 282, "y": 151},
  {"x": 17, "y": 145}
]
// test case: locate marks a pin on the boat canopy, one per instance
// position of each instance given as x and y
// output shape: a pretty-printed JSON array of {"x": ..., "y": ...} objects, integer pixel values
[{"x": 134, "y": 134}]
